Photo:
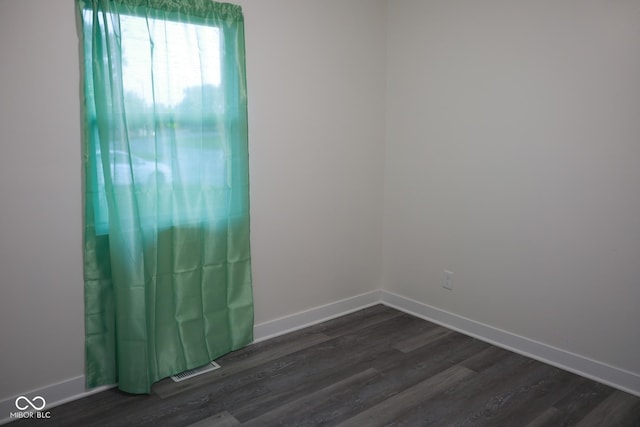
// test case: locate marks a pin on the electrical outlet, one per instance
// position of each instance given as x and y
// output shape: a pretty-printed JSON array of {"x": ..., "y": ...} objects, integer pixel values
[{"x": 447, "y": 281}]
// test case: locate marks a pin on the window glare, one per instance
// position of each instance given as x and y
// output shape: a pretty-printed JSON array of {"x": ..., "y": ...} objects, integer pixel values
[
  {"x": 169, "y": 130},
  {"x": 184, "y": 56}
]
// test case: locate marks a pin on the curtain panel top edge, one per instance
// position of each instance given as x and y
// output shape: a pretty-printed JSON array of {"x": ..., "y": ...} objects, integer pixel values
[{"x": 200, "y": 8}]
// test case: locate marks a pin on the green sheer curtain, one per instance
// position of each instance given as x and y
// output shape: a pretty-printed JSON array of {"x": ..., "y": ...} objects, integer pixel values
[{"x": 167, "y": 263}]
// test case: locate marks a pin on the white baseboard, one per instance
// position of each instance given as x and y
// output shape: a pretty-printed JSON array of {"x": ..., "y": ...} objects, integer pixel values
[
  {"x": 54, "y": 395},
  {"x": 580, "y": 365},
  {"x": 74, "y": 388},
  {"x": 302, "y": 319}
]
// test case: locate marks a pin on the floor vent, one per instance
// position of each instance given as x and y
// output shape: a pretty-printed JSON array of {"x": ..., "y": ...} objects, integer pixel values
[{"x": 211, "y": 366}]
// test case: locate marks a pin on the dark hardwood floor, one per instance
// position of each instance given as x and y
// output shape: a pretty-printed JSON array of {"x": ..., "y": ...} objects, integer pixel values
[{"x": 375, "y": 367}]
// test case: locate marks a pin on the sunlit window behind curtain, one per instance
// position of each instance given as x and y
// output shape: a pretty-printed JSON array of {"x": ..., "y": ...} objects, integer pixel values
[
  {"x": 174, "y": 107},
  {"x": 167, "y": 256}
]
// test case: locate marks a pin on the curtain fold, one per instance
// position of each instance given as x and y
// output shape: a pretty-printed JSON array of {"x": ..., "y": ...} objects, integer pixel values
[{"x": 167, "y": 262}]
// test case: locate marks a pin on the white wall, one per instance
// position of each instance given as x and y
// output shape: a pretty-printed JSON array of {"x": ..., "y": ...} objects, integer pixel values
[
  {"x": 316, "y": 107},
  {"x": 316, "y": 78},
  {"x": 41, "y": 291},
  {"x": 513, "y": 159}
]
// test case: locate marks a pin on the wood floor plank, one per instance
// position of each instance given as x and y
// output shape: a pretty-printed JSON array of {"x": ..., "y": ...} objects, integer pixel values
[
  {"x": 549, "y": 417},
  {"x": 355, "y": 321},
  {"x": 267, "y": 385},
  {"x": 571, "y": 408},
  {"x": 193, "y": 406},
  {"x": 223, "y": 419},
  {"x": 425, "y": 338},
  {"x": 528, "y": 396},
  {"x": 486, "y": 358},
  {"x": 98, "y": 409},
  {"x": 240, "y": 361},
  {"x": 295, "y": 411},
  {"x": 373, "y": 367},
  {"x": 328, "y": 362},
  {"x": 469, "y": 396},
  {"x": 392, "y": 408},
  {"x": 620, "y": 409},
  {"x": 408, "y": 369},
  {"x": 400, "y": 372}
]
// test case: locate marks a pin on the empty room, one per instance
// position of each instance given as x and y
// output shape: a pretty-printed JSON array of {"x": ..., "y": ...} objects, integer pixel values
[{"x": 363, "y": 212}]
